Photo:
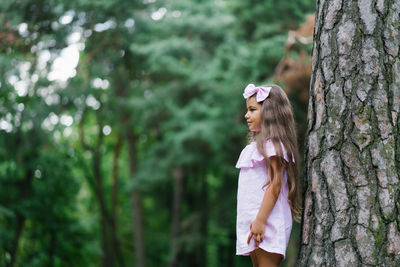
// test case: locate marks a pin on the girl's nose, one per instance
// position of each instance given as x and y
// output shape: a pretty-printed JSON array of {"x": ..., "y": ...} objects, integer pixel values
[{"x": 246, "y": 115}]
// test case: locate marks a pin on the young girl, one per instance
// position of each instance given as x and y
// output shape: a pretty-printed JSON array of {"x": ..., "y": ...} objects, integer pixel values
[{"x": 267, "y": 188}]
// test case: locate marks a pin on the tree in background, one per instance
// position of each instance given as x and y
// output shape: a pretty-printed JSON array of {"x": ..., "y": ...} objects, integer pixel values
[
  {"x": 108, "y": 78},
  {"x": 351, "y": 207},
  {"x": 198, "y": 118},
  {"x": 38, "y": 192}
]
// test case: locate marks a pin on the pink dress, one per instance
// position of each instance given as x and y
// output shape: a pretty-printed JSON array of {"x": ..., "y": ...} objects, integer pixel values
[{"x": 252, "y": 177}]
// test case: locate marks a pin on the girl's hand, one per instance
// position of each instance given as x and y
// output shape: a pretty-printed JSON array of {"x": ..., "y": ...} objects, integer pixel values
[{"x": 257, "y": 229}]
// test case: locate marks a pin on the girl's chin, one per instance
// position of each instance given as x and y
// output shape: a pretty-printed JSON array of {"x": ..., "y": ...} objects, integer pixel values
[{"x": 254, "y": 130}]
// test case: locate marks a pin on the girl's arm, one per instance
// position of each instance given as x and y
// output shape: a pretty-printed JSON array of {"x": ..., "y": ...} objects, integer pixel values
[{"x": 257, "y": 227}]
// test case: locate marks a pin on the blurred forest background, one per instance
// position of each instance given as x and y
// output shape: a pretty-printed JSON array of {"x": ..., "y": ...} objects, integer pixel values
[{"x": 121, "y": 123}]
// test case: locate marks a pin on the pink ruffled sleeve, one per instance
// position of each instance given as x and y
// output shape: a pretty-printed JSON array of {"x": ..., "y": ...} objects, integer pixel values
[
  {"x": 270, "y": 150},
  {"x": 250, "y": 157}
]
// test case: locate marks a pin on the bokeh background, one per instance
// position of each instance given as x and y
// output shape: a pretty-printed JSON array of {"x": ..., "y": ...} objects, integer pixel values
[{"x": 121, "y": 123}]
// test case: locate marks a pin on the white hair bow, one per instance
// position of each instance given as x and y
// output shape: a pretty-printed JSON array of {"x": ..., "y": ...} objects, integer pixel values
[{"x": 262, "y": 92}]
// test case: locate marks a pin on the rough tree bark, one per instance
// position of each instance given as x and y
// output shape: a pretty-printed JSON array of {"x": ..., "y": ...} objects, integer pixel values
[{"x": 351, "y": 206}]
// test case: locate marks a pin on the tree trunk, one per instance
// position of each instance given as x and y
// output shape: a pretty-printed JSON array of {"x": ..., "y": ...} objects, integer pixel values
[
  {"x": 114, "y": 199},
  {"x": 204, "y": 221},
  {"x": 351, "y": 206},
  {"x": 136, "y": 202},
  {"x": 105, "y": 221},
  {"x": 18, "y": 231},
  {"x": 52, "y": 247},
  {"x": 26, "y": 189},
  {"x": 97, "y": 184},
  {"x": 176, "y": 209},
  {"x": 121, "y": 91}
]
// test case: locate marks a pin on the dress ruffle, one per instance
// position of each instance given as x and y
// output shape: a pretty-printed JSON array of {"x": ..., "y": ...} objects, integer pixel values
[{"x": 251, "y": 157}]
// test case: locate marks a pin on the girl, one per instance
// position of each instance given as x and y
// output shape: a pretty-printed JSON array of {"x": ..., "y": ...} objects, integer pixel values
[{"x": 267, "y": 188}]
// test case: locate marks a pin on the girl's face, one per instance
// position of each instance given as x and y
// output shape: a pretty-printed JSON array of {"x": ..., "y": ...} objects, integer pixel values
[{"x": 253, "y": 115}]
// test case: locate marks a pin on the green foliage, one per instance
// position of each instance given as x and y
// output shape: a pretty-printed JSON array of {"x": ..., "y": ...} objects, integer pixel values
[{"x": 168, "y": 73}]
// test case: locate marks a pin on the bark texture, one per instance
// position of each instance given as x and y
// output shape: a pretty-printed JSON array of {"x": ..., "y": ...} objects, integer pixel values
[{"x": 351, "y": 206}]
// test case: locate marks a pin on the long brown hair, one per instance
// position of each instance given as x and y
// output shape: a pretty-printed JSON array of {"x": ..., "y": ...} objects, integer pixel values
[{"x": 278, "y": 126}]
